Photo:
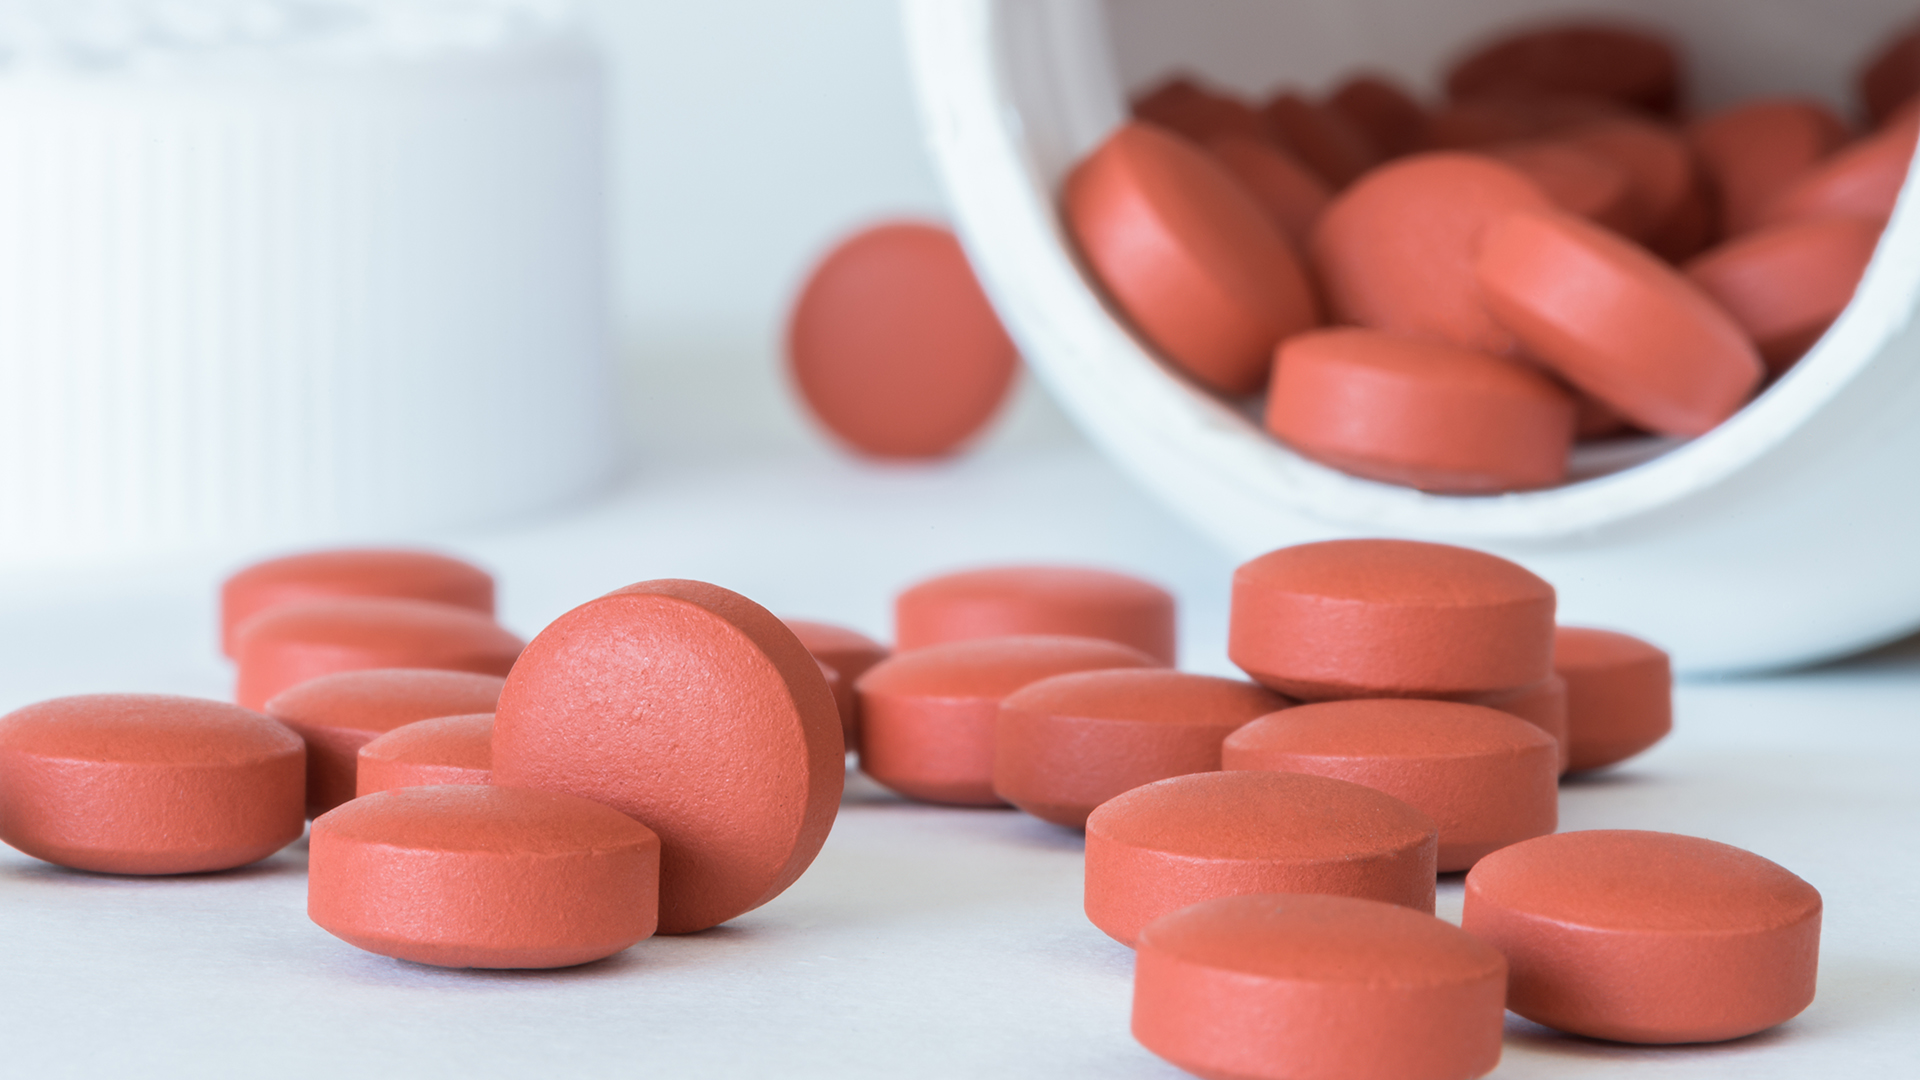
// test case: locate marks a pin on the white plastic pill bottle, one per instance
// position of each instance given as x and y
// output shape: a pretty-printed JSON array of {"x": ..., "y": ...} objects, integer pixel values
[{"x": 1789, "y": 534}]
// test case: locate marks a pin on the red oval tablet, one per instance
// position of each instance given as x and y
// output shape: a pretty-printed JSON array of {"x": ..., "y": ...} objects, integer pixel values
[
  {"x": 1542, "y": 704},
  {"x": 444, "y": 750},
  {"x": 695, "y": 711},
  {"x": 148, "y": 784},
  {"x": 1860, "y": 181},
  {"x": 1658, "y": 167},
  {"x": 1753, "y": 150},
  {"x": 1176, "y": 842},
  {"x": 1619, "y": 695},
  {"x": 483, "y": 877},
  {"x": 1324, "y": 140},
  {"x": 350, "y": 572},
  {"x": 1389, "y": 618},
  {"x": 1394, "y": 122},
  {"x": 1004, "y": 601},
  {"x": 1891, "y": 77},
  {"x": 849, "y": 654},
  {"x": 1299, "y": 987},
  {"x": 1188, "y": 255},
  {"x": 1395, "y": 251},
  {"x": 339, "y": 714},
  {"x": 1617, "y": 62},
  {"x": 1064, "y": 745},
  {"x": 1291, "y": 194},
  {"x": 1199, "y": 113},
  {"x": 1786, "y": 284},
  {"x": 927, "y": 715},
  {"x": 893, "y": 345},
  {"x": 1421, "y": 413},
  {"x": 1578, "y": 181},
  {"x": 1486, "y": 778},
  {"x": 1647, "y": 937},
  {"x": 1617, "y": 322},
  {"x": 287, "y": 645}
]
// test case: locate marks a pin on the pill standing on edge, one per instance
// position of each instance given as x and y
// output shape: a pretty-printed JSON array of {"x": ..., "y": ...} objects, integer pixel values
[
  {"x": 849, "y": 653},
  {"x": 1066, "y": 744},
  {"x": 1389, "y": 618},
  {"x": 1188, "y": 255},
  {"x": 287, "y": 645},
  {"x": 1615, "y": 321},
  {"x": 1753, "y": 150},
  {"x": 1616, "y": 62},
  {"x": 928, "y": 715},
  {"x": 1787, "y": 283},
  {"x": 340, "y": 713},
  {"x": 1395, "y": 251},
  {"x": 894, "y": 346},
  {"x": 350, "y": 572},
  {"x": 1619, "y": 695},
  {"x": 1486, "y": 778},
  {"x": 1647, "y": 937},
  {"x": 699, "y": 714},
  {"x": 486, "y": 877},
  {"x": 1421, "y": 413},
  {"x": 148, "y": 784},
  {"x": 1301, "y": 987},
  {"x": 1002, "y": 601},
  {"x": 443, "y": 750},
  {"x": 1175, "y": 842}
]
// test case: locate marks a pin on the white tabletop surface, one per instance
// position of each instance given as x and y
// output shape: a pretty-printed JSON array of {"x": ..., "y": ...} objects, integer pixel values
[{"x": 924, "y": 941}]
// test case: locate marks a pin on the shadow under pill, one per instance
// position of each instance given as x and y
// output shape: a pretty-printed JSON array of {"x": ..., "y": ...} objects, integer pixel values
[
  {"x": 271, "y": 867},
  {"x": 1521, "y": 1032},
  {"x": 1605, "y": 778}
]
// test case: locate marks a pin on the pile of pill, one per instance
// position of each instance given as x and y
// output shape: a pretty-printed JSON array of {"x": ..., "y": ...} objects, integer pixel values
[
  {"x": 1269, "y": 847},
  {"x": 1448, "y": 295}
]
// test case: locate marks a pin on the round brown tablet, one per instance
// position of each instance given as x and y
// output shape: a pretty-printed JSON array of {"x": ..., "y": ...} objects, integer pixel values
[
  {"x": 1198, "y": 112},
  {"x": 1619, "y": 63},
  {"x": 470, "y": 876},
  {"x": 1001, "y": 601},
  {"x": 1486, "y": 778},
  {"x": 1299, "y": 987},
  {"x": 1188, "y": 255},
  {"x": 287, "y": 645},
  {"x": 1787, "y": 283},
  {"x": 1891, "y": 76},
  {"x": 1425, "y": 414},
  {"x": 1394, "y": 122},
  {"x": 895, "y": 348},
  {"x": 1161, "y": 847},
  {"x": 444, "y": 750},
  {"x": 1753, "y": 150},
  {"x": 1647, "y": 937},
  {"x": 1395, "y": 251},
  {"x": 698, "y": 713},
  {"x": 1064, "y": 745},
  {"x": 1618, "y": 323},
  {"x": 1619, "y": 695},
  {"x": 1389, "y": 618},
  {"x": 148, "y": 784},
  {"x": 848, "y": 653},
  {"x": 927, "y": 716},
  {"x": 339, "y": 714},
  {"x": 350, "y": 572},
  {"x": 1292, "y": 195},
  {"x": 1323, "y": 139}
]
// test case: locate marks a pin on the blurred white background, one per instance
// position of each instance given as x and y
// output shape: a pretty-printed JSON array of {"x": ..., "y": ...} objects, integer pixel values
[{"x": 747, "y": 136}]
